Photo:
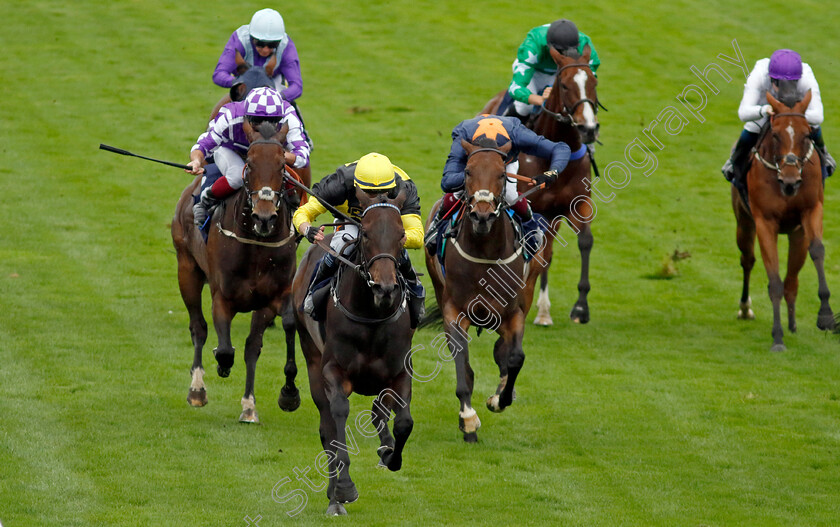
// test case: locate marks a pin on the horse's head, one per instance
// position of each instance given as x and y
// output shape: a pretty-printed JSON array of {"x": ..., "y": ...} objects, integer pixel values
[
  {"x": 573, "y": 95},
  {"x": 248, "y": 78},
  {"x": 484, "y": 182},
  {"x": 788, "y": 147},
  {"x": 264, "y": 169},
  {"x": 381, "y": 241}
]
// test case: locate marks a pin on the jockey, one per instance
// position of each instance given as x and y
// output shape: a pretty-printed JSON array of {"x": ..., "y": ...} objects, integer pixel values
[
  {"x": 374, "y": 174},
  {"x": 226, "y": 140},
  {"x": 534, "y": 69},
  {"x": 783, "y": 72},
  {"x": 257, "y": 43},
  {"x": 501, "y": 130}
]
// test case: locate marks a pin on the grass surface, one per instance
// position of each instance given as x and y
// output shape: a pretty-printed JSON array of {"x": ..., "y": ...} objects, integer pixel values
[{"x": 664, "y": 410}]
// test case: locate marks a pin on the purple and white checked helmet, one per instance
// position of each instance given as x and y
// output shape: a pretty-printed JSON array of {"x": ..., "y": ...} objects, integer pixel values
[
  {"x": 264, "y": 102},
  {"x": 785, "y": 64}
]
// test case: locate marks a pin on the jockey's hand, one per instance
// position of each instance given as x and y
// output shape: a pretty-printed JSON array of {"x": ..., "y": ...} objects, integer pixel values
[
  {"x": 766, "y": 110},
  {"x": 546, "y": 92},
  {"x": 290, "y": 158},
  {"x": 313, "y": 234},
  {"x": 195, "y": 167},
  {"x": 548, "y": 177}
]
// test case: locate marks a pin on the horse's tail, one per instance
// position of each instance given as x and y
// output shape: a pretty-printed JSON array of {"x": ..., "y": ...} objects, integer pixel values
[{"x": 432, "y": 318}]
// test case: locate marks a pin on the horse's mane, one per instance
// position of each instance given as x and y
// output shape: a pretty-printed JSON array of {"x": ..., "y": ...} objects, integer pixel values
[
  {"x": 485, "y": 142},
  {"x": 267, "y": 129}
]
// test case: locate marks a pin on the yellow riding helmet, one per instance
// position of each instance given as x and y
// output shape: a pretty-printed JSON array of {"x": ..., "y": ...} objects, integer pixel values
[{"x": 374, "y": 172}]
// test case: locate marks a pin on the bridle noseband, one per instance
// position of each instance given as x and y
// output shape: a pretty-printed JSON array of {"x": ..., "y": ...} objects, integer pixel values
[{"x": 789, "y": 159}]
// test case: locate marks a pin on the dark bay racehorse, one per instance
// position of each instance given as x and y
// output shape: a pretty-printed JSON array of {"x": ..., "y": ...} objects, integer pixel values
[
  {"x": 569, "y": 115},
  {"x": 362, "y": 346},
  {"x": 249, "y": 262},
  {"x": 486, "y": 283},
  {"x": 785, "y": 190}
]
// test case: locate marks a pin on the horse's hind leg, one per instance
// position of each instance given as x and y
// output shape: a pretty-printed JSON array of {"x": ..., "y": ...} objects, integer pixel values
[
  {"x": 745, "y": 237},
  {"x": 580, "y": 311},
  {"x": 543, "y": 317},
  {"x": 512, "y": 330},
  {"x": 191, "y": 282},
  {"x": 797, "y": 253},
  {"x": 289, "y": 399},
  {"x": 224, "y": 352},
  {"x": 457, "y": 337},
  {"x": 253, "y": 347},
  {"x": 380, "y": 414},
  {"x": 403, "y": 423}
]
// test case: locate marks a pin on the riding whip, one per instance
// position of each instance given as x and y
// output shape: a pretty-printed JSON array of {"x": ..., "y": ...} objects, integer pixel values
[{"x": 127, "y": 153}]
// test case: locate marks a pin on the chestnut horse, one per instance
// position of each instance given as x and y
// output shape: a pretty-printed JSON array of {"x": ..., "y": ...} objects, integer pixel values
[
  {"x": 362, "y": 346},
  {"x": 248, "y": 260},
  {"x": 568, "y": 115},
  {"x": 785, "y": 190},
  {"x": 485, "y": 281}
]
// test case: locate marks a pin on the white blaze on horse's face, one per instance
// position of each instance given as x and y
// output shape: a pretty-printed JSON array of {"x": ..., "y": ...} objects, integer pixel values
[
  {"x": 588, "y": 114},
  {"x": 792, "y": 135}
]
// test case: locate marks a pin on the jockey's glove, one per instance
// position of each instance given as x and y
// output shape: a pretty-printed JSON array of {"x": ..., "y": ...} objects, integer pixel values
[
  {"x": 311, "y": 232},
  {"x": 548, "y": 177}
]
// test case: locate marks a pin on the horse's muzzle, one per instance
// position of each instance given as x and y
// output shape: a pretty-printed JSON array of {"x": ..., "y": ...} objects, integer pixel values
[
  {"x": 482, "y": 222},
  {"x": 264, "y": 223},
  {"x": 384, "y": 294},
  {"x": 588, "y": 134},
  {"x": 790, "y": 187}
]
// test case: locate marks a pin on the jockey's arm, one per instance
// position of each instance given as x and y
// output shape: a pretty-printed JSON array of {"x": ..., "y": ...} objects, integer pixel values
[
  {"x": 756, "y": 86},
  {"x": 814, "y": 112},
  {"x": 533, "y": 144},
  {"x": 289, "y": 68},
  {"x": 223, "y": 75},
  {"x": 306, "y": 214},
  {"x": 456, "y": 161},
  {"x": 413, "y": 231}
]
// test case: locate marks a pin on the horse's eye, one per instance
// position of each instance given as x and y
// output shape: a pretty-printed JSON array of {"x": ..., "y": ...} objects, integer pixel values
[{"x": 466, "y": 172}]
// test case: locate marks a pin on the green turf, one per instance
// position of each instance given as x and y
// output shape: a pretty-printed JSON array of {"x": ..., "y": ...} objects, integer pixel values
[{"x": 664, "y": 410}]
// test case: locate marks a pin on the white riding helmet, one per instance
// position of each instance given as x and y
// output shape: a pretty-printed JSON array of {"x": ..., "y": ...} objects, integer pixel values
[{"x": 267, "y": 25}]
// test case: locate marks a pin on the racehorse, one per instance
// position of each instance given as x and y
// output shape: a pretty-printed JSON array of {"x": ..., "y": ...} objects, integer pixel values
[
  {"x": 366, "y": 349},
  {"x": 248, "y": 260},
  {"x": 250, "y": 77},
  {"x": 569, "y": 114},
  {"x": 485, "y": 281},
  {"x": 785, "y": 190}
]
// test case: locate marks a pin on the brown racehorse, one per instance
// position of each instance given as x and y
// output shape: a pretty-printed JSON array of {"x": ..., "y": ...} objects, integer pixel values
[
  {"x": 486, "y": 281},
  {"x": 785, "y": 190},
  {"x": 249, "y": 262},
  {"x": 569, "y": 115},
  {"x": 362, "y": 346},
  {"x": 249, "y": 78}
]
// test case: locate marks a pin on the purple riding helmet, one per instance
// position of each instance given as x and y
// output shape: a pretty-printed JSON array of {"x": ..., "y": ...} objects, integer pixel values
[
  {"x": 264, "y": 102},
  {"x": 785, "y": 64}
]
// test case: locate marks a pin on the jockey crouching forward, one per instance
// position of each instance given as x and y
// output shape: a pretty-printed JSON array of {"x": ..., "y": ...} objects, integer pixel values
[
  {"x": 374, "y": 174},
  {"x": 226, "y": 140},
  {"x": 500, "y": 130},
  {"x": 787, "y": 78}
]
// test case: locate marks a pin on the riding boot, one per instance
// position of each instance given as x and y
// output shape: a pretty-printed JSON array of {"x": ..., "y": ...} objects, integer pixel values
[
  {"x": 206, "y": 203},
  {"x": 416, "y": 291},
  {"x": 447, "y": 202},
  {"x": 735, "y": 168},
  {"x": 326, "y": 270},
  {"x": 532, "y": 233},
  {"x": 827, "y": 163},
  {"x": 511, "y": 112}
]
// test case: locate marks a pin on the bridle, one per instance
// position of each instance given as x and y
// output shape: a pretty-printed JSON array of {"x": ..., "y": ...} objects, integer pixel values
[
  {"x": 566, "y": 114},
  {"x": 484, "y": 195},
  {"x": 789, "y": 159},
  {"x": 265, "y": 193}
]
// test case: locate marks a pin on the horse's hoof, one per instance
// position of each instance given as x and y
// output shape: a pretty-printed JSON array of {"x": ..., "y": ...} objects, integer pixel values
[
  {"x": 543, "y": 320},
  {"x": 249, "y": 416},
  {"x": 746, "y": 314},
  {"x": 336, "y": 509},
  {"x": 579, "y": 315},
  {"x": 471, "y": 437},
  {"x": 778, "y": 347},
  {"x": 289, "y": 400},
  {"x": 197, "y": 398},
  {"x": 390, "y": 460},
  {"x": 493, "y": 404},
  {"x": 826, "y": 322},
  {"x": 347, "y": 494},
  {"x": 223, "y": 372}
]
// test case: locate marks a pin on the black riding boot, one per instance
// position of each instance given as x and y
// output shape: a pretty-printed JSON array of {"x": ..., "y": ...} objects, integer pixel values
[
  {"x": 326, "y": 269},
  {"x": 416, "y": 292},
  {"x": 511, "y": 112},
  {"x": 828, "y": 164},
  {"x": 735, "y": 168}
]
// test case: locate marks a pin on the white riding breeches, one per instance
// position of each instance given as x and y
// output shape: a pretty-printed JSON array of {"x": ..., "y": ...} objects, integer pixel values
[
  {"x": 539, "y": 82},
  {"x": 230, "y": 165}
]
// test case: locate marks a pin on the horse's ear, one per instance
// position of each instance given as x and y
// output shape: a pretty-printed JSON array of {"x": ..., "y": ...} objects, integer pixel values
[
  {"x": 238, "y": 91},
  {"x": 775, "y": 104},
  {"x": 556, "y": 56},
  {"x": 467, "y": 146},
  {"x": 506, "y": 147},
  {"x": 241, "y": 64},
  {"x": 587, "y": 53},
  {"x": 802, "y": 105},
  {"x": 271, "y": 64},
  {"x": 250, "y": 133},
  {"x": 280, "y": 136}
]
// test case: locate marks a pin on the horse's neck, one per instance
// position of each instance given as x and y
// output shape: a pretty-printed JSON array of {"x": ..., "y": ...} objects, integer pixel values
[
  {"x": 498, "y": 243},
  {"x": 550, "y": 128}
]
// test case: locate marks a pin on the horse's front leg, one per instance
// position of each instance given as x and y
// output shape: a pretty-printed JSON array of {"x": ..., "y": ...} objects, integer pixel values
[
  {"x": 767, "y": 239},
  {"x": 344, "y": 490},
  {"x": 223, "y": 313},
  {"x": 403, "y": 423},
  {"x": 253, "y": 347},
  {"x": 456, "y": 327},
  {"x": 812, "y": 223},
  {"x": 580, "y": 311},
  {"x": 191, "y": 283},
  {"x": 501, "y": 350},
  {"x": 745, "y": 238},
  {"x": 512, "y": 330},
  {"x": 289, "y": 399}
]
